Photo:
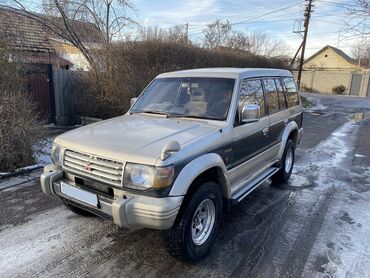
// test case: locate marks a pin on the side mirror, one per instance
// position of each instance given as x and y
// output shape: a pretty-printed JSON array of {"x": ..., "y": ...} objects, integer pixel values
[
  {"x": 250, "y": 113},
  {"x": 133, "y": 100}
]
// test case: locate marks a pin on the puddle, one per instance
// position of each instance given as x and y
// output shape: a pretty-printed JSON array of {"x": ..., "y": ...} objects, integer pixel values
[{"x": 358, "y": 117}]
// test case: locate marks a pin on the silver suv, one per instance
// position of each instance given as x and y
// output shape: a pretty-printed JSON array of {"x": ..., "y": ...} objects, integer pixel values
[{"x": 193, "y": 143}]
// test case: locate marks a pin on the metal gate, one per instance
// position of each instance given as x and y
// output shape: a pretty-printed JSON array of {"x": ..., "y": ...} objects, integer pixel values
[
  {"x": 355, "y": 84},
  {"x": 368, "y": 88},
  {"x": 39, "y": 90}
]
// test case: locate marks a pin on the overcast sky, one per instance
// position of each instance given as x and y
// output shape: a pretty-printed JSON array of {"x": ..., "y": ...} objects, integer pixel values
[{"x": 325, "y": 28}]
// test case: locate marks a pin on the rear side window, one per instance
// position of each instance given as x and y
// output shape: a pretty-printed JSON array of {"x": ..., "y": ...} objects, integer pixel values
[
  {"x": 281, "y": 94},
  {"x": 292, "y": 91},
  {"x": 251, "y": 92},
  {"x": 272, "y": 96}
]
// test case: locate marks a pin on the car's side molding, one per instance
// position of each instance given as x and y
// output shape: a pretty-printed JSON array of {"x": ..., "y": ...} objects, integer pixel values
[
  {"x": 290, "y": 127},
  {"x": 195, "y": 168}
]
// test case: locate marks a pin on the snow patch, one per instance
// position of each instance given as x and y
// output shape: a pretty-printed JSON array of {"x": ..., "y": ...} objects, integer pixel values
[
  {"x": 299, "y": 181},
  {"x": 49, "y": 238},
  {"x": 344, "y": 241},
  {"x": 327, "y": 160},
  {"x": 43, "y": 155},
  {"x": 317, "y": 105}
]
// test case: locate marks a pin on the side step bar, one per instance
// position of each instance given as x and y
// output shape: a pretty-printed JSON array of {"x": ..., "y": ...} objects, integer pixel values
[{"x": 248, "y": 188}]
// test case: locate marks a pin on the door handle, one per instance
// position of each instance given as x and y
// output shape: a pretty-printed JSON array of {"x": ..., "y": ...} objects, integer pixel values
[{"x": 265, "y": 131}]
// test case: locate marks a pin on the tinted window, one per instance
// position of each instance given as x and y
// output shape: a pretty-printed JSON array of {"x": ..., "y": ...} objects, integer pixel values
[
  {"x": 292, "y": 91},
  {"x": 272, "y": 96},
  {"x": 251, "y": 92},
  {"x": 281, "y": 95}
]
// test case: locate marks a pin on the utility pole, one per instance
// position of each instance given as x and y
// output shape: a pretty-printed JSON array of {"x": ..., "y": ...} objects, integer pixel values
[
  {"x": 187, "y": 32},
  {"x": 307, "y": 15}
]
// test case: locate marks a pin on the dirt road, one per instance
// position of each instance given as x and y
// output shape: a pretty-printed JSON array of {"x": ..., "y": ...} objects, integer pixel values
[{"x": 315, "y": 226}]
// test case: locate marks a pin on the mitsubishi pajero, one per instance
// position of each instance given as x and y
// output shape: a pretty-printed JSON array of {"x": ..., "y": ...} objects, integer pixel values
[{"x": 193, "y": 144}]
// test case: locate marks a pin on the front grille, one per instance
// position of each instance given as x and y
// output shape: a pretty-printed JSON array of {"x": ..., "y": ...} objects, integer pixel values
[{"x": 94, "y": 167}]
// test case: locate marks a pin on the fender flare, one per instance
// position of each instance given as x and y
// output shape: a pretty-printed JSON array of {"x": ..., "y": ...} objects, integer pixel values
[
  {"x": 291, "y": 126},
  {"x": 196, "y": 167}
]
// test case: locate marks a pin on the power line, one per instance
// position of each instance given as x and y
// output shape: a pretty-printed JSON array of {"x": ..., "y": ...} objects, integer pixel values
[{"x": 243, "y": 21}]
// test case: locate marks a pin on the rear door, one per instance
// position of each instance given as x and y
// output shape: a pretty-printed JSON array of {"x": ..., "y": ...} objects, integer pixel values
[
  {"x": 250, "y": 139},
  {"x": 278, "y": 116}
]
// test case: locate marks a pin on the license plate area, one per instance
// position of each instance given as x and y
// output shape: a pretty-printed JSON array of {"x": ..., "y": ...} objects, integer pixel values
[{"x": 79, "y": 194}]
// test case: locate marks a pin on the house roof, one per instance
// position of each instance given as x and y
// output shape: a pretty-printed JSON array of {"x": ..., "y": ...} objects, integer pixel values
[
  {"x": 18, "y": 31},
  {"x": 336, "y": 50},
  {"x": 22, "y": 32}
]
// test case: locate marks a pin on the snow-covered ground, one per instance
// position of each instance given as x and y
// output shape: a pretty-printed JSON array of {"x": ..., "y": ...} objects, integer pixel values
[
  {"x": 342, "y": 248},
  {"x": 35, "y": 246}
]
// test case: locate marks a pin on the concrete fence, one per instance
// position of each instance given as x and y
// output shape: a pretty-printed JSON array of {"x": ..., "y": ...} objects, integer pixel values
[{"x": 323, "y": 81}]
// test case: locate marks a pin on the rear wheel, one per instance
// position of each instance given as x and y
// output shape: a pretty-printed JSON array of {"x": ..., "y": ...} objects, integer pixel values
[
  {"x": 287, "y": 162},
  {"x": 192, "y": 236},
  {"x": 78, "y": 210}
]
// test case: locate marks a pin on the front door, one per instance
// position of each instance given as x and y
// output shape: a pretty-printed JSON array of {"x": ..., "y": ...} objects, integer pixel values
[{"x": 250, "y": 139}]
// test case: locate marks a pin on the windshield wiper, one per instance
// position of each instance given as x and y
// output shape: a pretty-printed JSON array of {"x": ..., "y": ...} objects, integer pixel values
[
  {"x": 195, "y": 117},
  {"x": 153, "y": 112}
]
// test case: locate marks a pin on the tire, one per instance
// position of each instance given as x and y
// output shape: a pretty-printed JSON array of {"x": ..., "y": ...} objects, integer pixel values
[
  {"x": 287, "y": 163},
  {"x": 183, "y": 240},
  {"x": 79, "y": 211}
]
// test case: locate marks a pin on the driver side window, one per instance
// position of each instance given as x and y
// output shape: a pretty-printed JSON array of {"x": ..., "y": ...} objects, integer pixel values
[{"x": 251, "y": 92}]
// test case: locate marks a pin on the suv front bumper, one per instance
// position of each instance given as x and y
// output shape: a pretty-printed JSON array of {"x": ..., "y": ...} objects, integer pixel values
[{"x": 127, "y": 210}]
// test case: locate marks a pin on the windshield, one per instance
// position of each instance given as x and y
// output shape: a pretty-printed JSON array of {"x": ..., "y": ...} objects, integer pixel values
[{"x": 207, "y": 98}]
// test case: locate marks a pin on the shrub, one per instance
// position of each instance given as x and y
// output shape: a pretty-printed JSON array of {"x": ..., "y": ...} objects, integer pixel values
[
  {"x": 131, "y": 66},
  {"x": 19, "y": 125},
  {"x": 339, "y": 90}
]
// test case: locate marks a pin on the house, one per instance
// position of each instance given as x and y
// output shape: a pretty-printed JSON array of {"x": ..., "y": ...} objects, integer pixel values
[
  {"x": 41, "y": 52},
  {"x": 331, "y": 67},
  {"x": 331, "y": 58},
  {"x": 36, "y": 44}
]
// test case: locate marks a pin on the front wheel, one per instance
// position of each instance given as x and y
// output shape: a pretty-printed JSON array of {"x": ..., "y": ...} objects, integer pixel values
[
  {"x": 287, "y": 162},
  {"x": 194, "y": 232}
]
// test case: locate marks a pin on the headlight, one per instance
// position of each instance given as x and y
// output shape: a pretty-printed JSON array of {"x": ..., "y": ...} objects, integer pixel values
[
  {"x": 143, "y": 177},
  {"x": 57, "y": 154}
]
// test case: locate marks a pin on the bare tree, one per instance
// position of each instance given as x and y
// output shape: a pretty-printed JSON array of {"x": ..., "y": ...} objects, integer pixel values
[
  {"x": 221, "y": 34},
  {"x": 259, "y": 43},
  {"x": 356, "y": 22},
  {"x": 217, "y": 34},
  {"x": 175, "y": 34},
  {"x": 361, "y": 53}
]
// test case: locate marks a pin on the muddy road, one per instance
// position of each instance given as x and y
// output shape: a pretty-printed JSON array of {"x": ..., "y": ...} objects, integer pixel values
[{"x": 315, "y": 226}]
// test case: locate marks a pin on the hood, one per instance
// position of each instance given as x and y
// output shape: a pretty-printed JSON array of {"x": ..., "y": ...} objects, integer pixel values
[{"x": 133, "y": 138}]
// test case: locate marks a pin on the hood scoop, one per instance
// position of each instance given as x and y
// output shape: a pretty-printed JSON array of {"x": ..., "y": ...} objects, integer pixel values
[{"x": 170, "y": 148}]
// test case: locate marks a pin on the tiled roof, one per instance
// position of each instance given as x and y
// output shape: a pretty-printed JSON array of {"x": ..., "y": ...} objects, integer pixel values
[
  {"x": 21, "y": 32},
  {"x": 25, "y": 33}
]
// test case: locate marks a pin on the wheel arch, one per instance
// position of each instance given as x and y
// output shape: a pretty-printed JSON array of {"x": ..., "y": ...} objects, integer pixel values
[
  {"x": 290, "y": 132},
  {"x": 208, "y": 167}
]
